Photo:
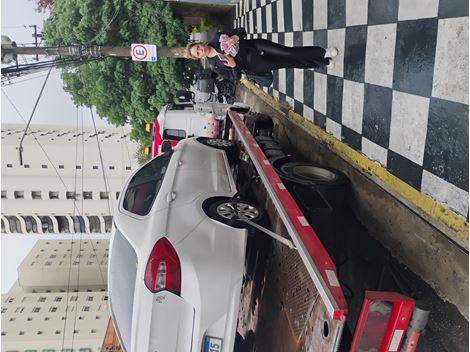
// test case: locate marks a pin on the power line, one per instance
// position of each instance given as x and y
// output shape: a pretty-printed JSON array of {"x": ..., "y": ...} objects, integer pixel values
[
  {"x": 102, "y": 162},
  {"x": 32, "y": 114},
  {"x": 72, "y": 241}
]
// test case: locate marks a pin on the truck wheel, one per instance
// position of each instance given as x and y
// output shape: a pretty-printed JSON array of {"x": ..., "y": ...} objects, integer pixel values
[
  {"x": 310, "y": 173},
  {"x": 222, "y": 210}
]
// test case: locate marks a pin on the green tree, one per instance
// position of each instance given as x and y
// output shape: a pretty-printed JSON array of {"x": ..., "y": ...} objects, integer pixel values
[{"x": 121, "y": 90}]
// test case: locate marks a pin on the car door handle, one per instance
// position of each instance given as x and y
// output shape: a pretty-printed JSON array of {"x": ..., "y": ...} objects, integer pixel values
[{"x": 170, "y": 197}]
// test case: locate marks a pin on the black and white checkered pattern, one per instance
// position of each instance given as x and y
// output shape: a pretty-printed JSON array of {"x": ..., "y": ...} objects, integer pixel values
[{"x": 398, "y": 92}]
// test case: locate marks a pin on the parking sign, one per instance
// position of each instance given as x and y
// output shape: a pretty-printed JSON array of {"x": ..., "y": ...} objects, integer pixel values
[{"x": 144, "y": 52}]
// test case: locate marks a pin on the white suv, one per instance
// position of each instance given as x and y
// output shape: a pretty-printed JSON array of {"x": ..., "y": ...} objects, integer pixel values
[{"x": 175, "y": 269}]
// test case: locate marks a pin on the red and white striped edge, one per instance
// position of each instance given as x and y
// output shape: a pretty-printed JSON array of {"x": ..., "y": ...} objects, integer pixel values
[{"x": 313, "y": 254}]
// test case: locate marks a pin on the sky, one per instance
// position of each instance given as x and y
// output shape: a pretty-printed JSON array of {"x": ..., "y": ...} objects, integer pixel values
[{"x": 55, "y": 107}]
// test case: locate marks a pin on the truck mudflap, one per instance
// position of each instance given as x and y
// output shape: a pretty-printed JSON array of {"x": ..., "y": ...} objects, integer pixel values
[{"x": 315, "y": 258}]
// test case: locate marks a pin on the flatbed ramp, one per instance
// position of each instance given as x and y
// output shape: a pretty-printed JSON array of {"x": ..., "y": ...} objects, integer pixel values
[{"x": 291, "y": 299}]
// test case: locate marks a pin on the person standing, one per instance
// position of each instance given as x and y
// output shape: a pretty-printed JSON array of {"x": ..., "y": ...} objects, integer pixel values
[{"x": 232, "y": 55}]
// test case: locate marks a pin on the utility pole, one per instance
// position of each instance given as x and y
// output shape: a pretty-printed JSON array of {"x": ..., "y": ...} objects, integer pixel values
[
  {"x": 36, "y": 36},
  {"x": 11, "y": 50}
]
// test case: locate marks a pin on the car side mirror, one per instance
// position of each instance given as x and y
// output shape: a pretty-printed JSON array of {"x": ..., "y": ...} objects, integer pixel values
[{"x": 166, "y": 147}]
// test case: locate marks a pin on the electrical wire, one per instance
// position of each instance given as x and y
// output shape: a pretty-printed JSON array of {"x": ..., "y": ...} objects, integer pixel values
[
  {"x": 118, "y": 7},
  {"x": 31, "y": 117},
  {"x": 53, "y": 166},
  {"x": 102, "y": 164},
  {"x": 72, "y": 241}
]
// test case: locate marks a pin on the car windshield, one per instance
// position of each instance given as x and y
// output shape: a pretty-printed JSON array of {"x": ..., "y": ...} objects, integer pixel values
[
  {"x": 122, "y": 275},
  {"x": 144, "y": 186}
]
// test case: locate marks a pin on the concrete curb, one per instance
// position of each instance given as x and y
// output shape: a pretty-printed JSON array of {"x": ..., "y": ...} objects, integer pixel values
[{"x": 450, "y": 223}]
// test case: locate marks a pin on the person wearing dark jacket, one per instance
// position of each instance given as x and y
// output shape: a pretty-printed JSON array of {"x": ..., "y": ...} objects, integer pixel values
[{"x": 230, "y": 56}]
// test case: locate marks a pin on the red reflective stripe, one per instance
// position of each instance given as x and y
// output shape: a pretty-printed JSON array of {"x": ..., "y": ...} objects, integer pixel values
[{"x": 307, "y": 235}]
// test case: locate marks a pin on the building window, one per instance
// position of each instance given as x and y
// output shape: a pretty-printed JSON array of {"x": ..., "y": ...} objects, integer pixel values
[
  {"x": 48, "y": 263},
  {"x": 19, "y": 310},
  {"x": 70, "y": 195},
  {"x": 95, "y": 167},
  {"x": 128, "y": 168},
  {"x": 73, "y": 298},
  {"x": 53, "y": 309},
  {"x": 4, "y": 310},
  {"x": 12, "y": 319},
  {"x": 4, "y": 194},
  {"x": 81, "y": 318},
  {"x": 52, "y": 256},
  {"x": 76, "y": 331},
  {"x": 57, "y": 332},
  {"x": 21, "y": 333},
  {"x": 26, "y": 166},
  {"x": 86, "y": 309},
  {"x": 53, "y": 195},
  {"x": 36, "y": 309},
  {"x": 97, "y": 317},
  {"x": 87, "y": 195},
  {"x": 9, "y": 165},
  {"x": 111, "y": 167},
  {"x": 19, "y": 195},
  {"x": 117, "y": 195},
  {"x": 89, "y": 298},
  {"x": 29, "y": 319},
  {"x": 3, "y": 333},
  {"x": 44, "y": 166},
  {"x": 78, "y": 167},
  {"x": 104, "y": 195},
  {"x": 39, "y": 332},
  {"x": 93, "y": 331},
  {"x": 58, "y": 299},
  {"x": 42, "y": 299},
  {"x": 61, "y": 166},
  {"x": 47, "y": 318},
  {"x": 10, "y": 300},
  {"x": 36, "y": 194},
  {"x": 105, "y": 298}
]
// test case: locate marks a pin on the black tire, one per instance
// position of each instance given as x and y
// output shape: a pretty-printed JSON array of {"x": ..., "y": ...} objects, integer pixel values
[
  {"x": 221, "y": 209},
  {"x": 269, "y": 145},
  {"x": 273, "y": 153},
  {"x": 308, "y": 173},
  {"x": 264, "y": 138}
]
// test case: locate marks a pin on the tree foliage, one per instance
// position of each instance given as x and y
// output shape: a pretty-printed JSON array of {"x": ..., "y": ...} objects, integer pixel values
[
  {"x": 44, "y": 5},
  {"x": 121, "y": 90}
]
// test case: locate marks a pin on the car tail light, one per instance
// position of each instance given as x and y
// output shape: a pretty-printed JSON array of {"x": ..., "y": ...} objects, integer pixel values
[{"x": 163, "y": 271}]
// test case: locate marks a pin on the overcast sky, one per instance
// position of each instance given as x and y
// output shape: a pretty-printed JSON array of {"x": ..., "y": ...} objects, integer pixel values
[{"x": 55, "y": 106}]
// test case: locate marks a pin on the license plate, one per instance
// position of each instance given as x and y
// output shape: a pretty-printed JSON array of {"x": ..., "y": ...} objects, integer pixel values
[{"x": 212, "y": 344}]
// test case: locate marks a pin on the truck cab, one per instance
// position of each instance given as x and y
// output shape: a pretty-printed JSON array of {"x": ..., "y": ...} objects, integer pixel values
[{"x": 188, "y": 119}]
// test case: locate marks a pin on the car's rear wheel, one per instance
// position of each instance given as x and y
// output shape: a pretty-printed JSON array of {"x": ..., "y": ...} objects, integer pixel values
[{"x": 224, "y": 211}]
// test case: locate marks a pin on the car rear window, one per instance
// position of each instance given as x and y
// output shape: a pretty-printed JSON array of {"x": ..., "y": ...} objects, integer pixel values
[
  {"x": 144, "y": 186},
  {"x": 122, "y": 275}
]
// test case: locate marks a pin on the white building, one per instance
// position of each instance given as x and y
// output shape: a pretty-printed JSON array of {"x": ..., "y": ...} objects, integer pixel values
[
  {"x": 50, "y": 310},
  {"x": 65, "y": 265},
  {"x": 68, "y": 182},
  {"x": 54, "y": 321}
]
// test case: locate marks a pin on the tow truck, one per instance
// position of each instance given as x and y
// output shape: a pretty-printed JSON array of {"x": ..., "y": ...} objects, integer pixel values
[{"x": 298, "y": 276}]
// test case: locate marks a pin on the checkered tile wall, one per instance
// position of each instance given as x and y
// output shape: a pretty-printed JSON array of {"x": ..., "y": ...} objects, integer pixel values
[{"x": 398, "y": 92}]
